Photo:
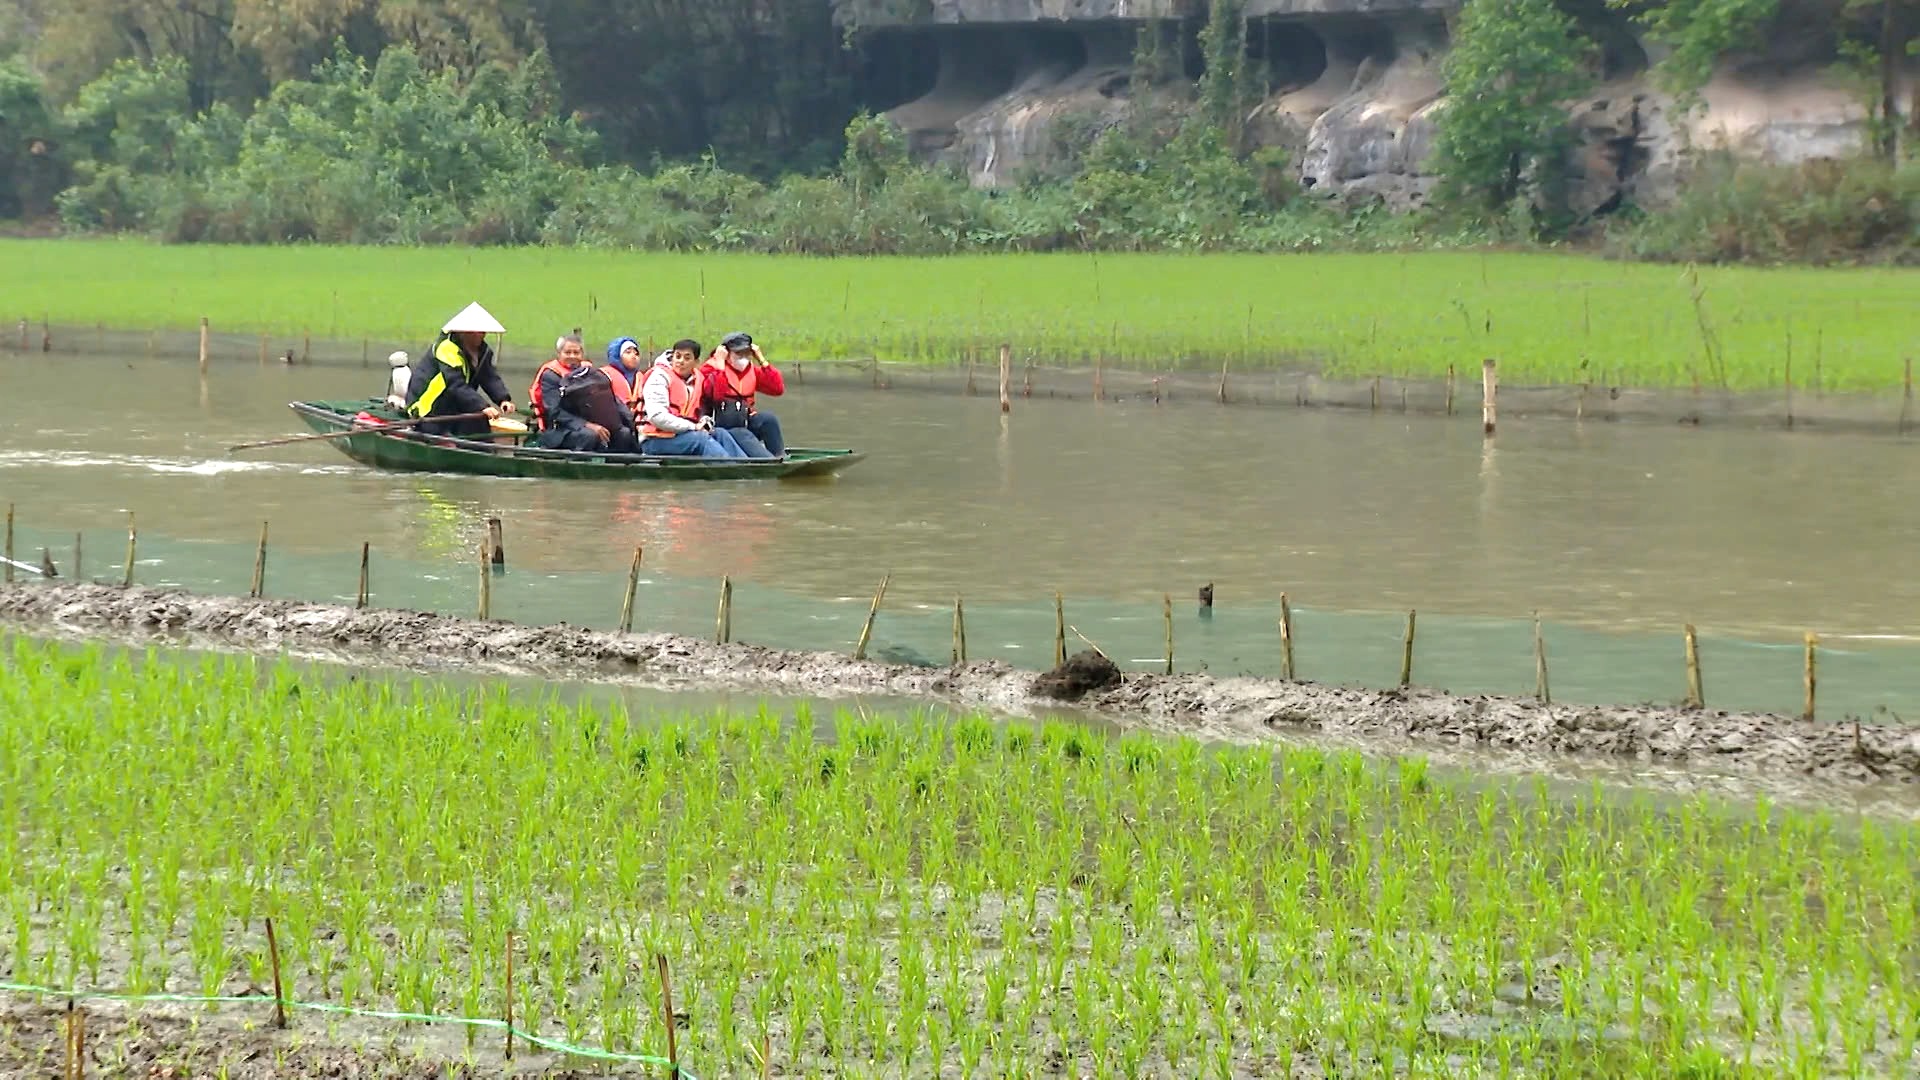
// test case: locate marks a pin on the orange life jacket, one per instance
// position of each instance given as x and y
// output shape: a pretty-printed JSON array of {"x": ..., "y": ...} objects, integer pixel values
[
  {"x": 740, "y": 384},
  {"x": 625, "y": 391},
  {"x": 533, "y": 392},
  {"x": 682, "y": 401}
]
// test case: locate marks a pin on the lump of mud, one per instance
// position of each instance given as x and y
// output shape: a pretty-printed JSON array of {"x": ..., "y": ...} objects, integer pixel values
[{"x": 1083, "y": 673}]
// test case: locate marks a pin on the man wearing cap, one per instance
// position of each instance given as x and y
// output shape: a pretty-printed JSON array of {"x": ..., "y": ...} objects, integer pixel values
[
  {"x": 730, "y": 381},
  {"x": 457, "y": 377}
]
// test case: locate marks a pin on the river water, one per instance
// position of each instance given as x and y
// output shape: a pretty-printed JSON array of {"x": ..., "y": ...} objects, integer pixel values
[{"x": 1616, "y": 534}]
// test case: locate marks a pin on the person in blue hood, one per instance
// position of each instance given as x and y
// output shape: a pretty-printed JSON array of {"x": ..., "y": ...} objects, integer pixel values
[{"x": 625, "y": 363}]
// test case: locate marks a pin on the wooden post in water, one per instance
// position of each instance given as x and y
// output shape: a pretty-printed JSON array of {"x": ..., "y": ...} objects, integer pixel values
[
  {"x": 6, "y": 572},
  {"x": 1286, "y": 639},
  {"x": 959, "y": 632},
  {"x": 1166, "y": 610},
  {"x": 1696, "y": 696},
  {"x": 1006, "y": 378},
  {"x": 1788, "y": 381},
  {"x": 723, "y": 622},
  {"x": 259, "y": 565},
  {"x": 1026, "y": 385},
  {"x": 1059, "y": 630},
  {"x": 973, "y": 355},
  {"x": 866, "y": 631},
  {"x": 1906, "y": 397},
  {"x": 1449, "y": 389},
  {"x": 203, "y": 344},
  {"x": 132, "y": 543},
  {"x": 1406, "y": 653},
  {"x": 633, "y": 586},
  {"x": 486, "y": 585},
  {"x": 496, "y": 545},
  {"x": 1489, "y": 388},
  {"x": 1373, "y": 395},
  {"x": 1541, "y": 690},
  {"x": 1099, "y": 380},
  {"x": 366, "y": 551},
  {"x": 306, "y": 347},
  {"x": 1223, "y": 379},
  {"x": 1812, "y": 641}
]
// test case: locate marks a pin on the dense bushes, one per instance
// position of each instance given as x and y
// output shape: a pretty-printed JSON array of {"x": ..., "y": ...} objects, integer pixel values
[{"x": 1820, "y": 212}]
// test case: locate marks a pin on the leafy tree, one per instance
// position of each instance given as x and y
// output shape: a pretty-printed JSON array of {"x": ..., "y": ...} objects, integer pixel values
[
  {"x": 31, "y": 169},
  {"x": 1699, "y": 33},
  {"x": 1514, "y": 66}
]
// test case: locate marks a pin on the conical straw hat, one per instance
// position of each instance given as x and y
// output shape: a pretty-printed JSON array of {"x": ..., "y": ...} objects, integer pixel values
[{"x": 475, "y": 317}]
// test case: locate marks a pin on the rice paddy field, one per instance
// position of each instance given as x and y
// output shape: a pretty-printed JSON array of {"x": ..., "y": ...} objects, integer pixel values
[
  {"x": 920, "y": 895},
  {"x": 1549, "y": 319}
]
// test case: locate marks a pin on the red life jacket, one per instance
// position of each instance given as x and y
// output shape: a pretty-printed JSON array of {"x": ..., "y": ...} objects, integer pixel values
[
  {"x": 737, "y": 385},
  {"x": 682, "y": 401},
  {"x": 534, "y": 396}
]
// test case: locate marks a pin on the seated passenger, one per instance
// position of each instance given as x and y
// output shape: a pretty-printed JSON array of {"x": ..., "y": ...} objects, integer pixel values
[
  {"x": 625, "y": 363},
  {"x": 732, "y": 378},
  {"x": 670, "y": 409},
  {"x": 578, "y": 407}
]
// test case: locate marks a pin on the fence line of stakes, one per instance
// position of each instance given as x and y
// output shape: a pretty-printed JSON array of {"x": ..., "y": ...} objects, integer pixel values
[
  {"x": 74, "y": 1020},
  {"x": 492, "y": 561}
]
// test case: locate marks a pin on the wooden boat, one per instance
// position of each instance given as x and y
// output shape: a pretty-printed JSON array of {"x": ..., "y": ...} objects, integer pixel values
[{"x": 412, "y": 451}]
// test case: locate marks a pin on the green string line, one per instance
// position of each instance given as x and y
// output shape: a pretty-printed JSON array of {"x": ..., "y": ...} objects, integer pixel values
[{"x": 347, "y": 1010}]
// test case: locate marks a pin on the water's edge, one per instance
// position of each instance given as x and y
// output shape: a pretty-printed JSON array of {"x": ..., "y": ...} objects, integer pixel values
[{"x": 1754, "y": 744}]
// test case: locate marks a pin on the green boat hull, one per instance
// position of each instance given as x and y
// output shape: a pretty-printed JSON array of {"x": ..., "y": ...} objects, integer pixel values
[{"x": 404, "y": 451}]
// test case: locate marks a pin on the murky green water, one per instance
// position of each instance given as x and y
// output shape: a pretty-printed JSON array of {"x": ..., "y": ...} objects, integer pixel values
[{"x": 1616, "y": 533}]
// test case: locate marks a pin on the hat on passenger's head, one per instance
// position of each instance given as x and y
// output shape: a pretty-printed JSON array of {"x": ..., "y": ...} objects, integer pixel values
[
  {"x": 397, "y": 358},
  {"x": 474, "y": 318},
  {"x": 737, "y": 342}
]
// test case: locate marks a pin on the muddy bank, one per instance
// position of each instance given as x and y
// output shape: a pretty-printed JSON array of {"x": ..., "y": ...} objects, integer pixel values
[{"x": 1196, "y": 704}]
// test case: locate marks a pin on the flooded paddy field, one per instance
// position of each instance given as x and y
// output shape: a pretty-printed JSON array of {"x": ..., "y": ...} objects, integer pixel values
[{"x": 878, "y": 894}]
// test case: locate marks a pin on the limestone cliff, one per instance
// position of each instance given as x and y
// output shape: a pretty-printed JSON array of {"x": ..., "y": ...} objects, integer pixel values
[{"x": 1354, "y": 91}]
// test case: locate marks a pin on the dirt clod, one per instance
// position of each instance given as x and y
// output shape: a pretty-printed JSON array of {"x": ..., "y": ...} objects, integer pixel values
[{"x": 1081, "y": 674}]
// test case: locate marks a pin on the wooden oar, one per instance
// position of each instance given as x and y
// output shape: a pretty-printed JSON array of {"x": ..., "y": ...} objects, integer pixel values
[{"x": 354, "y": 428}]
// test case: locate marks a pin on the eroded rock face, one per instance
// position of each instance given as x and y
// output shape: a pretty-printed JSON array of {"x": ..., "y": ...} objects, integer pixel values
[{"x": 1356, "y": 93}]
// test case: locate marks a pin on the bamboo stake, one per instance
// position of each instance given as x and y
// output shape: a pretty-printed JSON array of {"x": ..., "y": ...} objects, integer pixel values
[
  {"x": 666, "y": 1011},
  {"x": 260, "y": 566},
  {"x": 1906, "y": 398},
  {"x": 866, "y": 631},
  {"x": 509, "y": 995},
  {"x": 973, "y": 356},
  {"x": 366, "y": 551},
  {"x": 1006, "y": 378},
  {"x": 1286, "y": 639},
  {"x": 1696, "y": 697},
  {"x": 279, "y": 996},
  {"x": 132, "y": 541},
  {"x": 723, "y": 622},
  {"x": 1540, "y": 688},
  {"x": 633, "y": 586},
  {"x": 1223, "y": 379},
  {"x": 203, "y": 344},
  {"x": 6, "y": 572},
  {"x": 1099, "y": 382},
  {"x": 1789, "y": 385},
  {"x": 1406, "y": 654},
  {"x": 486, "y": 585},
  {"x": 76, "y": 1042},
  {"x": 1166, "y": 610},
  {"x": 1059, "y": 630},
  {"x": 496, "y": 544},
  {"x": 1026, "y": 386},
  {"x": 1449, "y": 389},
  {"x": 306, "y": 346},
  {"x": 1102, "y": 653},
  {"x": 1489, "y": 389},
  {"x": 959, "y": 632},
  {"x": 1373, "y": 396},
  {"x": 1811, "y": 642}
]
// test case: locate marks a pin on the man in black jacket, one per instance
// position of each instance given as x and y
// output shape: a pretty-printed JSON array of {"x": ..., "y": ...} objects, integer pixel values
[
  {"x": 576, "y": 406},
  {"x": 457, "y": 376}
]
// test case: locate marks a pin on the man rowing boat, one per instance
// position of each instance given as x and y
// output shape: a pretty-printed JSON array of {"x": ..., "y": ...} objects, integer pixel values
[{"x": 457, "y": 376}]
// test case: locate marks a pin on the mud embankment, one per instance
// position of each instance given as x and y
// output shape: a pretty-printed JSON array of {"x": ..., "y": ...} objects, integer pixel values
[{"x": 1236, "y": 708}]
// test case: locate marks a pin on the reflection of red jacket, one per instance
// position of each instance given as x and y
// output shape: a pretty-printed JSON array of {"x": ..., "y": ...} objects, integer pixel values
[{"x": 719, "y": 383}]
